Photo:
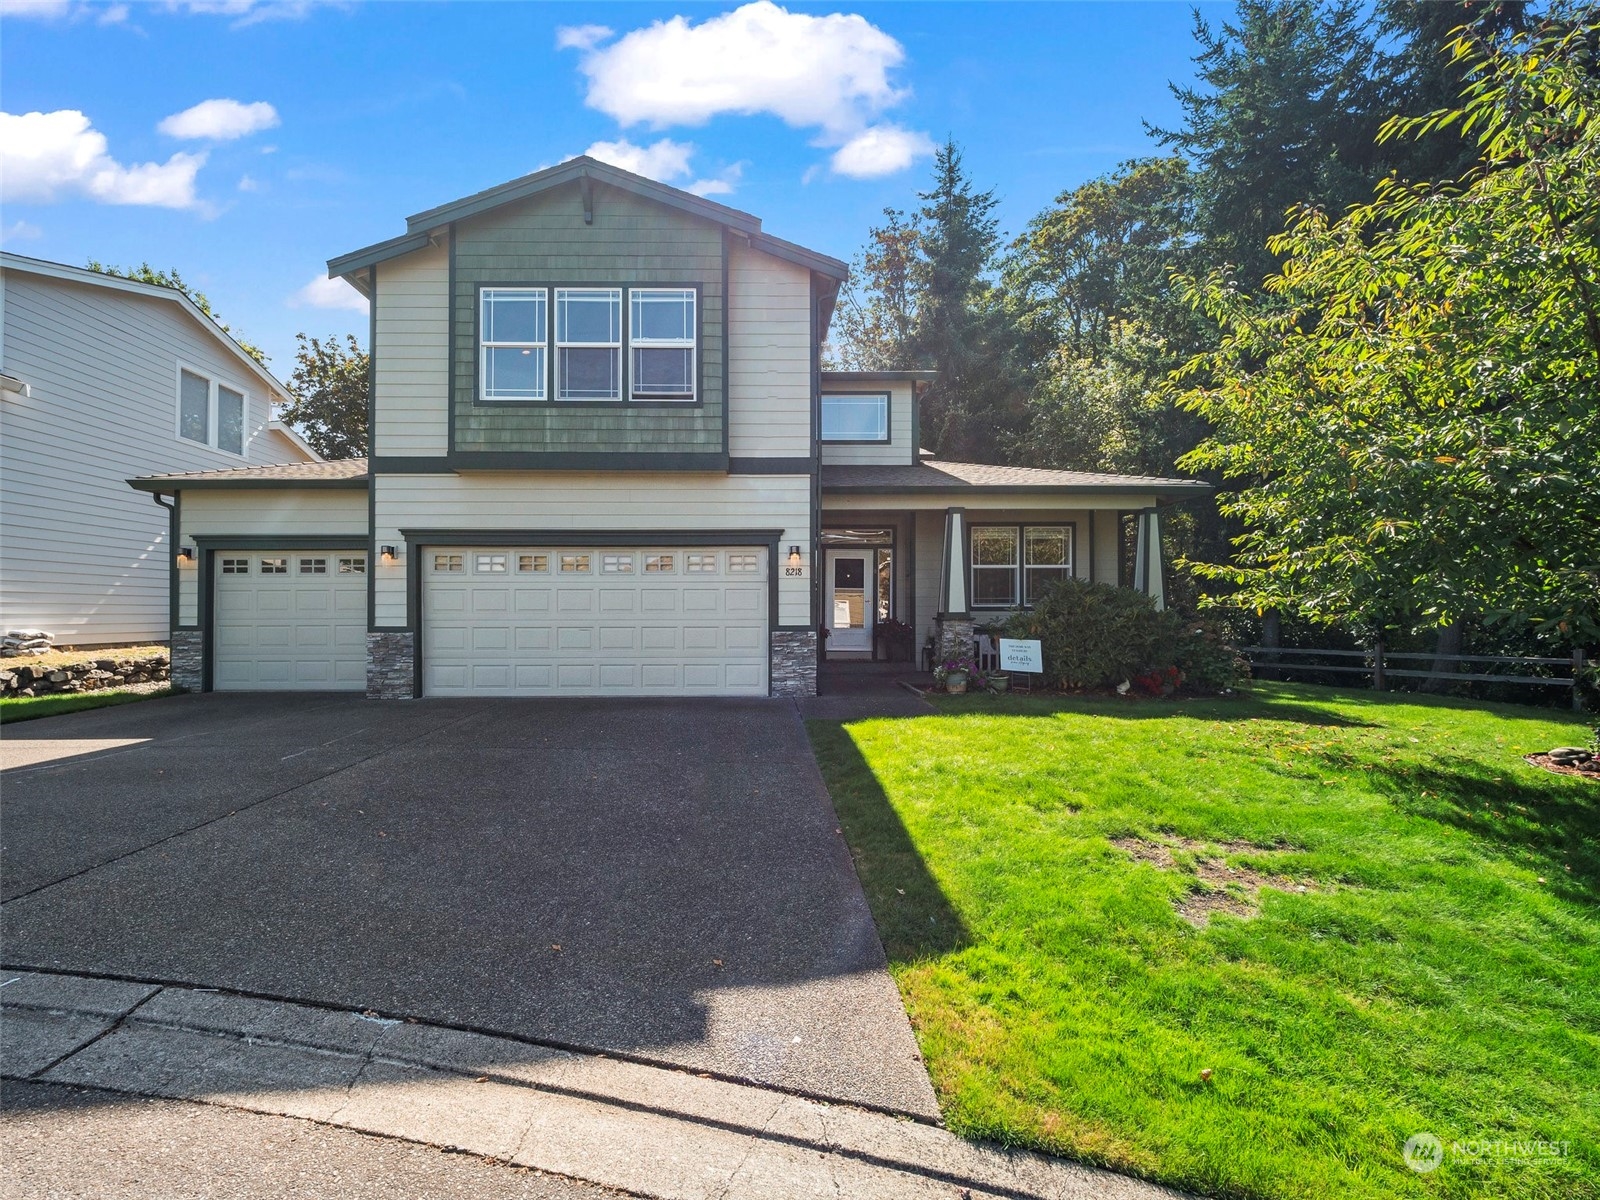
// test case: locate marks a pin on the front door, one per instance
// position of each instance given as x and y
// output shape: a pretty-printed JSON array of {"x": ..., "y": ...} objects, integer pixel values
[{"x": 849, "y": 609}]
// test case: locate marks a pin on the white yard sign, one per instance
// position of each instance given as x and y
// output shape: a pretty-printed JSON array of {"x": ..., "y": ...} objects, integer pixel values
[{"x": 1016, "y": 655}]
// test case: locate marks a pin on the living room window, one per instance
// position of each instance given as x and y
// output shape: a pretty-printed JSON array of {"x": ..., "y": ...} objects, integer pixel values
[
  {"x": 661, "y": 336},
  {"x": 863, "y": 418},
  {"x": 994, "y": 566},
  {"x": 588, "y": 343},
  {"x": 1013, "y": 564},
  {"x": 512, "y": 329},
  {"x": 1046, "y": 557}
]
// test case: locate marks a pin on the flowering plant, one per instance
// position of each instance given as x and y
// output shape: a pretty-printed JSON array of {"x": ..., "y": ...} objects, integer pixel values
[{"x": 952, "y": 666}]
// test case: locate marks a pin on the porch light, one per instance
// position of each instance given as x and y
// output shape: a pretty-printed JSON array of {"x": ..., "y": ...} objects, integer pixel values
[
  {"x": 186, "y": 553},
  {"x": 794, "y": 556},
  {"x": 388, "y": 553}
]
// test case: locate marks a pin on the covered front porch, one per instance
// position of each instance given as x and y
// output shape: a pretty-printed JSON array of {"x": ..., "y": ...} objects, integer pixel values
[{"x": 914, "y": 563}]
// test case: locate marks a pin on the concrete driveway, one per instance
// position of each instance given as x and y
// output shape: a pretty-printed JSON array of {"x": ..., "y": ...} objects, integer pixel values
[{"x": 658, "y": 879}]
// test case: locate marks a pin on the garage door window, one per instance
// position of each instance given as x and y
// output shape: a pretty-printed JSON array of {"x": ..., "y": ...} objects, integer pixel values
[
  {"x": 236, "y": 566},
  {"x": 700, "y": 563},
  {"x": 313, "y": 566},
  {"x": 533, "y": 563},
  {"x": 446, "y": 563},
  {"x": 574, "y": 564},
  {"x": 490, "y": 564},
  {"x": 352, "y": 566},
  {"x": 274, "y": 566},
  {"x": 742, "y": 562},
  {"x": 657, "y": 564},
  {"x": 616, "y": 564}
]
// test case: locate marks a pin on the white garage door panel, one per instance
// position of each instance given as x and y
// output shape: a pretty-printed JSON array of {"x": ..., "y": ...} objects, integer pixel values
[
  {"x": 510, "y": 621},
  {"x": 303, "y": 628}
]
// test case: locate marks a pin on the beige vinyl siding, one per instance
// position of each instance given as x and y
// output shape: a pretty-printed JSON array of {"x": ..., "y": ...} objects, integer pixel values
[
  {"x": 899, "y": 449},
  {"x": 84, "y": 556},
  {"x": 769, "y": 356},
  {"x": 644, "y": 501},
  {"x": 413, "y": 355},
  {"x": 264, "y": 512}
]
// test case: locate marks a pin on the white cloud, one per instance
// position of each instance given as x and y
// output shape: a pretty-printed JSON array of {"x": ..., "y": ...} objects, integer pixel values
[
  {"x": 323, "y": 292},
  {"x": 46, "y": 10},
  {"x": 250, "y": 12},
  {"x": 717, "y": 185},
  {"x": 664, "y": 159},
  {"x": 44, "y": 156},
  {"x": 248, "y": 183},
  {"x": 113, "y": 14},
  {"x": 20, "y": 231},
  {"x": 582, "y": 37},
  {"x": 220, "y": 120},
  {"x": 829, "y": 72},
  {"x": 880, "y": 150}
]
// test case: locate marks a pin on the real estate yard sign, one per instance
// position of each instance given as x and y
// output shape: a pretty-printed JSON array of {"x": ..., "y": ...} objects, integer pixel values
[{"x": 1019, "y": 655}]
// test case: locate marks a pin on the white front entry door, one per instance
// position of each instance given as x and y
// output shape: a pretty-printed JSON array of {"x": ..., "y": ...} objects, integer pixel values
[{"x": 850, "y": 607}]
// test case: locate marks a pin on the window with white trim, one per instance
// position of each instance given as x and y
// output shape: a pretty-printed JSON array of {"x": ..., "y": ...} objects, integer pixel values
[
  {"x": 742, "y": 562},
  {"x": 352, "y": 566},
  {"x": 574, "y": 564},
  {"x": 661, "y": 336},
  {"x": 489, "y": 564},
  {"x": 211, "y": 413},
  {"x": 700, "y": 563},
  {"x": 313, "y": 566},
  {"x": 863, "y": 418},
  {"x": 528, "y": 564},
  {"x": 1046, "y": 558},
  {"x": 274, "y": 566},
  {"x": 616, "y": 564},
  {"x": 658, "y": 564},
  {"x": 994, "y": 566},
  {"x": 236, "y": 566},
  {"x": 588, "y": 343},
  {"x": 513, "y": 325},
  {"x": 448, "y": 564}
]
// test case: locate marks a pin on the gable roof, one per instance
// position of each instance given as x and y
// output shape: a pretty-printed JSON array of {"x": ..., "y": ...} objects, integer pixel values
[
  {"x": 582, "y": 170},
  {"x": 338, "y": 473},
  {"x": 55, "y": 270},
  {"x": 934, "y": 476}
]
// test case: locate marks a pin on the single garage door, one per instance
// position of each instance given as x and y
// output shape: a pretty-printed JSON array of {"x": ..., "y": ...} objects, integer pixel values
[
  {"x": 290, "y": 620},
  {"x": 637, "y": 621}
]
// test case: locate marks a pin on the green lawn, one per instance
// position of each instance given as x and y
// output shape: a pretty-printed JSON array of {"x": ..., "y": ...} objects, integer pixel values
[
  {"x": 1439, "y": 973},
  {"x": 26, "y": 708}
]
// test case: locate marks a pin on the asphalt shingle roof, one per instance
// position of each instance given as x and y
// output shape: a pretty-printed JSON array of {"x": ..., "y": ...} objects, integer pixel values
[
  {"x": 936, "y": 476},
  {"x": 344, "y": 472}
]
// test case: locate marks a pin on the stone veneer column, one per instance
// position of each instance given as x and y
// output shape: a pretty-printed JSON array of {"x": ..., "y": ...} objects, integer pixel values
[
  {"x": 391, "y": 665},
  {"x": 794, "y": 662},
  {"x": 955, "y": 639},
  {"x": 186, "y": 648}
]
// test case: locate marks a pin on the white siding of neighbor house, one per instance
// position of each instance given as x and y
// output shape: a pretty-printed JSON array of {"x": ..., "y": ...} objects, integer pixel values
[
  {"x": 769, "y": 356},
  {"x": 610, "y": 501},
  {"x": 413, "y": 355},
  {"x": 899, "y": 450},
  {"x": 264, "y": 512},
  {"x": 82, "y": 555}
]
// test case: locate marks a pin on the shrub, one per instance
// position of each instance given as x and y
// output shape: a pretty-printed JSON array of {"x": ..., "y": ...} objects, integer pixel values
[{"x": 1095, "y": 635}]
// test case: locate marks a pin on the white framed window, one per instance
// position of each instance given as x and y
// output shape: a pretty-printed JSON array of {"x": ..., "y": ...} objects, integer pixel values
[
  {"x": 528, "y": 564},
  {"x": 448, "y": 564},
  {"x": 742, "y": 562},
  {"x": 352, "y": 566},
  {"x": 994, "y": 566},
  {"x": 588, "y": 343},
  {"x": 700, "y": 563},
  {"x": 489, "y": 564},
  {"x": 513, "y": 329},
  {"x": 274, "y": 566},
  {"x": 658, "y": 564},
  {"x": 236, "y": 566},
  {"x": 662, "y": 327},
  {"x": 313, "y": 566},
  {"x": 616, "y": 564},
  {"x": 574, "y": 564},
  {"x": 856, "y": 418},
  {"x": 211, "y": 413},
  {"x": 1046, "y": 557}
]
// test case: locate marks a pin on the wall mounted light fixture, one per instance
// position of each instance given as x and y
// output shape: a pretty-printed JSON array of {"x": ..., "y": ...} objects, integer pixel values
[
  {"x": 186, "y": 553},
  {"x": 794, "y": 556},
  {"x": 388, "y": 553}
]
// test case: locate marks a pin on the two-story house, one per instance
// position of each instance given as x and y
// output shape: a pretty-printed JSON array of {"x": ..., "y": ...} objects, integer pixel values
[
  {"x": 102, "y": 378},
  {"x": 604, "y": 459}
]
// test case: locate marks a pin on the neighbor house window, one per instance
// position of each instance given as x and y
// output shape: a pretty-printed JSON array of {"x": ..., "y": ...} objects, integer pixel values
[
  {"x": 588, "y": 343},
  {"x": 855, "y": 418},
  {"x": 994, "y": 567},
  {"x": 661, "y": 335},
  {"x": 210, "y": 413},
  {"x": 1047, "y": 557},
  {"x": 511, "y": 352}
]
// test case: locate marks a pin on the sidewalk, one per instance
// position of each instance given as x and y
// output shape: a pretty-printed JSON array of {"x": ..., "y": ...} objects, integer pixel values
[{"x": 646, "y": 1130}]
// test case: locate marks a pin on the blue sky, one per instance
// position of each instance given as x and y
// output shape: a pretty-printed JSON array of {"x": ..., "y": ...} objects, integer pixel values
[{"x": 341, "y": 119}]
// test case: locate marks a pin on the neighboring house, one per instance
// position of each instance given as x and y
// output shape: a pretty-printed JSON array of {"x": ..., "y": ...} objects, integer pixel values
[
  {"x": 102, "y": 378},
  {"x": 605, "y": 460}
]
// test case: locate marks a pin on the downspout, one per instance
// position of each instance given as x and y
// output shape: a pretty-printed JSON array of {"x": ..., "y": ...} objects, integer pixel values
[{"x": 172, "y": 563}]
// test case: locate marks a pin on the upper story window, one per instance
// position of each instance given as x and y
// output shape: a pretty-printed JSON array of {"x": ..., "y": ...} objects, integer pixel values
[
  {"x": 661, "y": 334},
  {"x": 588, "y": 343},
  {"x": 858, "y": 418},
  {"x": 513, "y": 329},
  {"x": 210, "y": 413}
]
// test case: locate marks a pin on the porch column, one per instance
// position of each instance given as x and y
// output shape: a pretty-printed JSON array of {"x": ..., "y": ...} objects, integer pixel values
[
  {"x": 955, "y": 621},
  {"x": 1148, "y": 576}
]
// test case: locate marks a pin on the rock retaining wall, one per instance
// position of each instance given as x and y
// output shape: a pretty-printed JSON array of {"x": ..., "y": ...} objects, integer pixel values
[{"x": 92, "y": 675}]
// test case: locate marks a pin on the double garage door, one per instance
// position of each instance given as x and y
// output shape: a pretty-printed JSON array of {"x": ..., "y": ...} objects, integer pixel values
[
  {"x": 599, "y": 620},
  {"x": 290, "y": 620}
]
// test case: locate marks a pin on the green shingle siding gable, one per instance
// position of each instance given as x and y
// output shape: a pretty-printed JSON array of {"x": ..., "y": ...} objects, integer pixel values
[{"x": 544, "y": 240}]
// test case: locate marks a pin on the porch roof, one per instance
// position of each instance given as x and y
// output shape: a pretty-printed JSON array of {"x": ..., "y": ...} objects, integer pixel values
[{"x": 981, "y": 478}]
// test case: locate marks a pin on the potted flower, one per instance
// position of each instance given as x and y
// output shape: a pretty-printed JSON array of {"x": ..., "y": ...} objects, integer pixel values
[
  {"x": 953, "y": 675},
  {"x": 999, "y": 682}
]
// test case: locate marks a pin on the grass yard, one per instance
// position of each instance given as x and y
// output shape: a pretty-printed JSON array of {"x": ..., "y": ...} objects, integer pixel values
[
  {"x": 1027, "y": 860},
  {"x": 27, "y": 708}
]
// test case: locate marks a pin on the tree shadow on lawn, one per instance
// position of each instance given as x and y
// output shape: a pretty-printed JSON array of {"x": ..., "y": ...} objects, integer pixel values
[{"x": 914, "y": 917}]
